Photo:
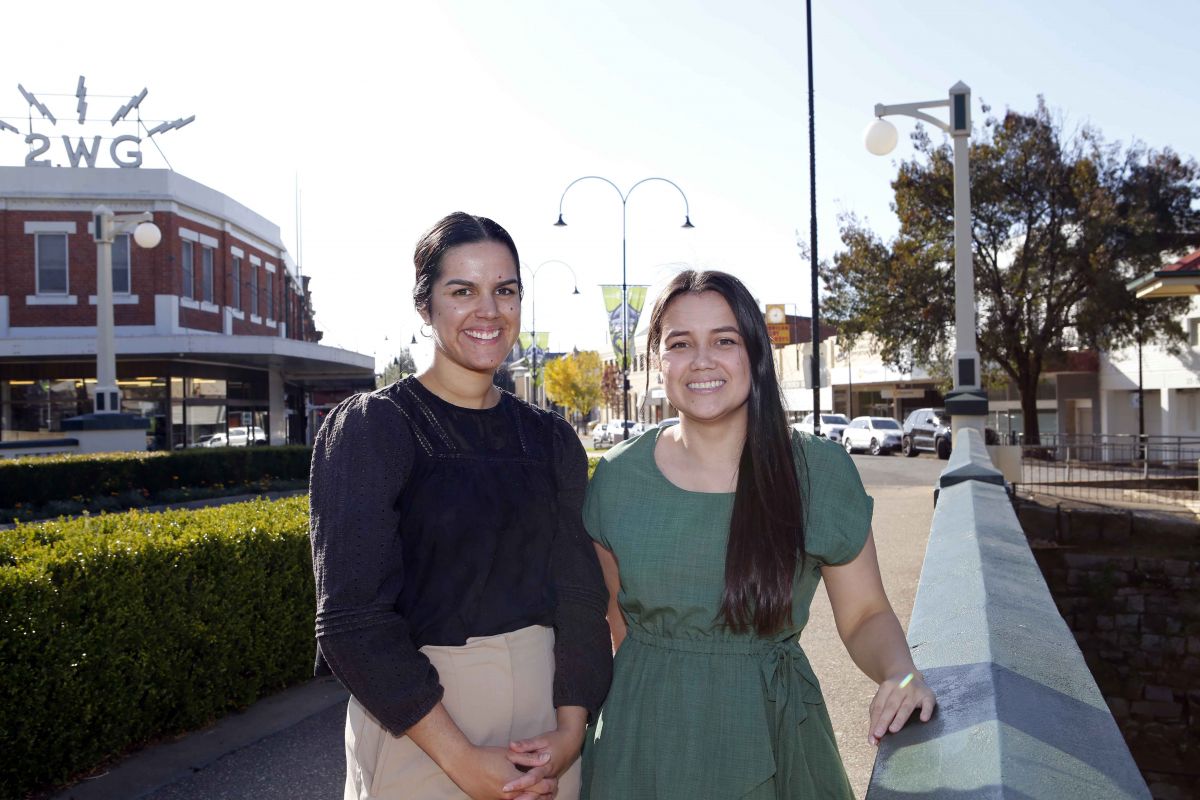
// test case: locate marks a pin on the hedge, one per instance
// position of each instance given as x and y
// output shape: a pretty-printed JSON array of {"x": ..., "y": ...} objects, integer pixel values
[
  {"x": 46, "y": 479},
  {"x": 121, "y": 628}
]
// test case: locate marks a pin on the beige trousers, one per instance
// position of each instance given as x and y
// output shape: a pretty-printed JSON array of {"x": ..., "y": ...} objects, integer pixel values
[{"x": 497, "y": 689}]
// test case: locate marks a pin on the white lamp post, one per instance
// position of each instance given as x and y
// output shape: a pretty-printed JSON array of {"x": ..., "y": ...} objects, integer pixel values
[
  {"x": 106, "y": 227},
  {"x": 966, "y": 403}
]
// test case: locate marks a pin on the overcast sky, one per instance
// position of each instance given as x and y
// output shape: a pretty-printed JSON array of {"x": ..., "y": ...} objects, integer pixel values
[{"x": 389, "y": 117}]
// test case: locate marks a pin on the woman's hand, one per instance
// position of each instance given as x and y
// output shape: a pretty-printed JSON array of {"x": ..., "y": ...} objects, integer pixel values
[
  {"x": 894, "y": 703},
  {"x": 555, "y": 750},
  {"x": 484, "y": 773}
]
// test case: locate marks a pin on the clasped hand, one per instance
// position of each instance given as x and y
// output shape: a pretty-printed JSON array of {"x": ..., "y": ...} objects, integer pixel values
[
  {"x": 554, "y": 750},
  {"x": 482, "y": 770}
]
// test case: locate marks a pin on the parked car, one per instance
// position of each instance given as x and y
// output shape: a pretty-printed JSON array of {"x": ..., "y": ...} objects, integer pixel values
[
  {"x": 877, "y": 435},
  {"x": 663, "y": 423},
  {"x": 611, "y": 432},
  {"x": 832, "y": 425},
  {"x": 927, "y": 430},
  {"x": 239, "y": 436}
]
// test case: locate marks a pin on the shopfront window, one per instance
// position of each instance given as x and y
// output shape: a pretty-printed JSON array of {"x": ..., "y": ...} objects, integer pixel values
[
  {"x": 51, "y": 263},
  {"x": 120, "y": 264}
]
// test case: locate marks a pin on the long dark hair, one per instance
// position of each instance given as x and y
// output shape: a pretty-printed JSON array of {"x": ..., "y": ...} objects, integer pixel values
[
  {"x": 766, "y": 530},
  {"x": 451, "y": 231}
]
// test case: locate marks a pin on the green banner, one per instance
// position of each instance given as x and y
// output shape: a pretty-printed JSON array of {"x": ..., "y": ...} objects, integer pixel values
[
  {"x": 622, "y": 318},
  {"x": 529, "y": 348}
]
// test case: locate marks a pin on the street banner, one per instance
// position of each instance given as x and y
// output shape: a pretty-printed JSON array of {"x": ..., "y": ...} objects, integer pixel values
[
  {"x": 777, "y": 325},
  {"x": 530, "y": 348},
  {"x": 616, "y": 316}
]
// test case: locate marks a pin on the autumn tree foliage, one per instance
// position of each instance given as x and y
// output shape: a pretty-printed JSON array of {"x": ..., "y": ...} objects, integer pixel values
[
  {"x": 573, "y": 381},
  {"x": 610, "y": 387}
]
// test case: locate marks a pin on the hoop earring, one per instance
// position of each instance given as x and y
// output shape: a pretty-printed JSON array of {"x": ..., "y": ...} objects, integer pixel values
[{"x": 423, "y": 333}]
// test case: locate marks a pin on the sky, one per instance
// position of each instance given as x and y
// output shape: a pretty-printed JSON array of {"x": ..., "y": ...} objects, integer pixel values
[{"x": 384, "y": 118}]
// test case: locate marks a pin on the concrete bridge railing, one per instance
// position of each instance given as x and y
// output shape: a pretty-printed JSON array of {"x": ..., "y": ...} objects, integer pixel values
[{"x": 1019, "y": 714}]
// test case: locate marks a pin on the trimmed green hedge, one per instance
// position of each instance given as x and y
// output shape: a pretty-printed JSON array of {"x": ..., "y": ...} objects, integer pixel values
[
  {"x": 46, "y": 479},
  {"x": 121, "y": 628}
]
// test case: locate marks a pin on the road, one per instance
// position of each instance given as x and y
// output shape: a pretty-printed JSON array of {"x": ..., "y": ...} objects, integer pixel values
[{"x": 289, "y": 746}]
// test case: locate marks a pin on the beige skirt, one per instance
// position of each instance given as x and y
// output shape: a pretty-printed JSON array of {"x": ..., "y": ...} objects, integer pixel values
[{"x": 497, "y": 689}]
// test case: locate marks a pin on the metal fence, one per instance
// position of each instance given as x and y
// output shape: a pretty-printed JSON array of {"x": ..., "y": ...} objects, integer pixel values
[{"x": 1122, "y": 469}]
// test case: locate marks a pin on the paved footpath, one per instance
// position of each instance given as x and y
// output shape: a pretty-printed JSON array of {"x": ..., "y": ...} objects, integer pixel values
[{"x": 289, "y": 746}]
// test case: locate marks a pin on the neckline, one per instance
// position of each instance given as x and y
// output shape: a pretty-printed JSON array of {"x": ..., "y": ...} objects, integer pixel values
[
  {"x": 663, "y": 476},
  {"x": 412, "y": 381}
]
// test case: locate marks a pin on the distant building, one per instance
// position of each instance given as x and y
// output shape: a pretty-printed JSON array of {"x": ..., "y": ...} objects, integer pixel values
[
  {"x": 214, "y": 327},
  {"x": 1169, "y": 382}
]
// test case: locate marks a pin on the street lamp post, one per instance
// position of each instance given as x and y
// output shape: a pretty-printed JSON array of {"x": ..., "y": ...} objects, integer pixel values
[
  {"x": 107, "y": 226},
  {"x": 687, "y": 223},
  {"x": 966, "y": 403},
  {"x": 533, "y": 315}
]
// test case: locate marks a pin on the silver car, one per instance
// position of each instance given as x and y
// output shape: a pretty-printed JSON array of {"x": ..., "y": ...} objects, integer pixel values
[
  {"x": 876, "y": 435},
  {"x": 832, "y": 425}
]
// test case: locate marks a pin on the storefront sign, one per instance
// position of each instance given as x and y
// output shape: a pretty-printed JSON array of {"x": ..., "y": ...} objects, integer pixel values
[
  {"x": 777, "y": 325},
  {"x": 123, "y": 150}
]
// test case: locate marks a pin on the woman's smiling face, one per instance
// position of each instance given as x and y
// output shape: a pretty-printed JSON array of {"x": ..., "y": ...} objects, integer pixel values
[
  {"x": 475, "y": 306},
  {"x": 706, "y": 370}
]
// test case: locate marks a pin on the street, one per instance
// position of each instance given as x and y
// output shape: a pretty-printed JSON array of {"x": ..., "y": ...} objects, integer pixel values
[{"x": 289, "y": 747}]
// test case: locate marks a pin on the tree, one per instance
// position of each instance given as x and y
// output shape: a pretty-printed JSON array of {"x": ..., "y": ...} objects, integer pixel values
[
  {"x": 400, "y": 367},
  {"x": 574, "y": 381},
  {"x": 1061, "y": 222},
  {"x": 610, "y": 387}
]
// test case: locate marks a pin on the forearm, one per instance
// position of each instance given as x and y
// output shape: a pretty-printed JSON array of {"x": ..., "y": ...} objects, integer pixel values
[
  {"x": 441, "y": 739},
  {"x": 572, "y": 719},
  {"x": 616, "y": 624},
  {"x": 878, "y": 646}
]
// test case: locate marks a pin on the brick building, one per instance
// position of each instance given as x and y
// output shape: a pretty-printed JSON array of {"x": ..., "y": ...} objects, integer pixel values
[{"x": 214, "y": 326}]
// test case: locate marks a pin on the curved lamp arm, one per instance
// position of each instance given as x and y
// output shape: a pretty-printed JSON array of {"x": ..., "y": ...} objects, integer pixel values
[
  {"x": 563, "y": 196},
  {"x": 687, "y": 213}
]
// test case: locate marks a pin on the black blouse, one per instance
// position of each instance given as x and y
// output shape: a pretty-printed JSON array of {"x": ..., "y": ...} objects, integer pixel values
[{"x": 433, "y": 523}]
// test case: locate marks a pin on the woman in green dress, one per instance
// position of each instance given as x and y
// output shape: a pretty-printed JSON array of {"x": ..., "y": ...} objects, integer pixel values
[{"x": 713, "y": 535}]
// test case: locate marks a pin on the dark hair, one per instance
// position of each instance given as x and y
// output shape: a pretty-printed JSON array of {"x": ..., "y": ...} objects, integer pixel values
[
  {"x": 766, "y": 531},
  {"x": 451, "y": 231}
]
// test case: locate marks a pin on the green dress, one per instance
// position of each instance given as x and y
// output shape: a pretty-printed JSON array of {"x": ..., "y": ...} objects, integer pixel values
[{"x": 696, "y": 711}]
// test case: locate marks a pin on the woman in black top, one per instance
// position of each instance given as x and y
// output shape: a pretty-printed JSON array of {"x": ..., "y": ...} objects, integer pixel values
[{"x": 458, "y": 596}]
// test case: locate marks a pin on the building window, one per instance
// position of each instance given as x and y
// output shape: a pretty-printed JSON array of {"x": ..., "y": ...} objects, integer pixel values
[
  {"x": 51, "y": 263},
  {"x": 120, "y": 264},
  {"x": 270, "y": 295},
  {"x": 236, "y": 300},
  {"x": 254, "y": 290},
  {"x": 206, "y": 265},
  {"x": 189, "y": 285},
  {"x": 1193, "y": 331}
]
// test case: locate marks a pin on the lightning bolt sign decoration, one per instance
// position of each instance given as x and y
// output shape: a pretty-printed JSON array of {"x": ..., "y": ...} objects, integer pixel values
[
  {"x": 169, "y": 126},
  {"x": 81, "y": 106},
  {"x": 125, "y": 151},
  {"x": 133, "y": 103},
  {"x": 33, "y": 101}
]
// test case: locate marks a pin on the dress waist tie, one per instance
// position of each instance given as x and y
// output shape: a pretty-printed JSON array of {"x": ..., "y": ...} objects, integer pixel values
[{"x": 789, "y": 682}]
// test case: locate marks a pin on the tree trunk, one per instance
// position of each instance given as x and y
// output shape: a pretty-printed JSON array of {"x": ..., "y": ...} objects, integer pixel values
[{"x": 1028, "y": 386}]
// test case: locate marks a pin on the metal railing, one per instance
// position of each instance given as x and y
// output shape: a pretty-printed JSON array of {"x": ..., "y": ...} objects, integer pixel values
[{"x": 1125, "y": 469}]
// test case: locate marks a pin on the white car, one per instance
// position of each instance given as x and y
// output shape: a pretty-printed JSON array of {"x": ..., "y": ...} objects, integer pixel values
[
  {"x": 609, "y": 433},
  {"x": 832, "y": 425},
  {"x": 239, "y": 436},
  {"x": 876, "y": 435}
]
